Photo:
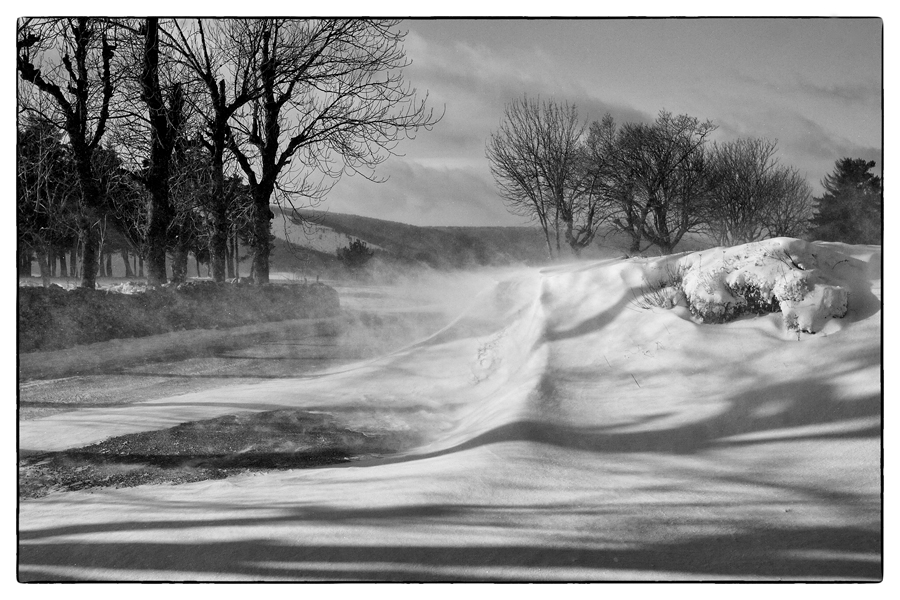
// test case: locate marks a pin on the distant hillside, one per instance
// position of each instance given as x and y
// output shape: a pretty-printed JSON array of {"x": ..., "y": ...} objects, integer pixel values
[
  {"x": 307, "y": 241},
  {"x": 306, "y": 244},
  {"x": 436, "y": 247}
]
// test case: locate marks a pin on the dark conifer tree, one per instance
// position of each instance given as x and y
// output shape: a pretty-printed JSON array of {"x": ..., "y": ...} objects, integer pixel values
[{"x": 851, "y": 210}]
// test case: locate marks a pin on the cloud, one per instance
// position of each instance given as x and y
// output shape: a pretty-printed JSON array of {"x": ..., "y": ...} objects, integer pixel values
[
  {"x": 420, "y": 194},
  {"x": 799, "y": 87},
  {"x": 477, "y": 82},
  {"x": 443, "y": 175},
  {"x": 803, "y": 142},
  {"x": 848, "y": 94}
]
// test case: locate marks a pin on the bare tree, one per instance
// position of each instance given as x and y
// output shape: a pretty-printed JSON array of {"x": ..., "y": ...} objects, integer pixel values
[
  {"x": 514, "y": 154},
  {"x": 755, "y": 196},
  {"x": 69, "y": 60},
  {"x": 223, "y": 55},
  {"x": 627, "y": 212},
  {"x": 153, "y": 104},
  {"x": 667, "y": 177},
  {"x": 540, "y": 168},
  {"x": 746, "y": 186},
  {"x": 790, "y": 215},
  {"x": 332, "y": 100},
  {"x": 595, "y": 187},
  {"x": 46, "y": 199}
]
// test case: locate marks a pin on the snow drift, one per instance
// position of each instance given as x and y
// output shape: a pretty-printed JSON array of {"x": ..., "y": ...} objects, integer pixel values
[{"x": 570, "y": 431}]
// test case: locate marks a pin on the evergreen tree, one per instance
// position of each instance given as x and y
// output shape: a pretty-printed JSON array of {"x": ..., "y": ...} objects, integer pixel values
[
  {"x": 355, "y": 255},
  {"x": 851, "y": 210}
]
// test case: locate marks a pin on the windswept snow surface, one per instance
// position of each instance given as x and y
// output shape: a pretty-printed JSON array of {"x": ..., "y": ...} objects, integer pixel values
[{"x": 569, "y": 435}]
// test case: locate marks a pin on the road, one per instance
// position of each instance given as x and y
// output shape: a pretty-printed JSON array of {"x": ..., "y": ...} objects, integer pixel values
[{"x": 373, "y": 322}]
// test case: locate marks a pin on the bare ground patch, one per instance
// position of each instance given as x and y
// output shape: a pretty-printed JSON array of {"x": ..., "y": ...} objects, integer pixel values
[{"x": 208, "y": 449}]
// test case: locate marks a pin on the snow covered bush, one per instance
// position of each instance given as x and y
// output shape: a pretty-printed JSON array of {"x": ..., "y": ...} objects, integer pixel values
[
  {"x": 778, "y": 275},
  {"x": 663, "y": 291}
]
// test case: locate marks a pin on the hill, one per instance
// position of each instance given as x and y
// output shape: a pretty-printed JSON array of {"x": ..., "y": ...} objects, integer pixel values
[
  {"x": 437, "y": 247},
  {"x": 307, "y": 241}
]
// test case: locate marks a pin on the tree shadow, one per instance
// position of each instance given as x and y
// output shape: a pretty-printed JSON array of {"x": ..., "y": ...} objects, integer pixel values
[
  {"x": 757, "y": 553},
  {"x": 592, "y": 324},
  {"x": 777, "y": 409}
]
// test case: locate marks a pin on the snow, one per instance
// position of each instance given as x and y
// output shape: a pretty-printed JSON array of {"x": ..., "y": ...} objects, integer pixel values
[{"x": 568, "y": 434}]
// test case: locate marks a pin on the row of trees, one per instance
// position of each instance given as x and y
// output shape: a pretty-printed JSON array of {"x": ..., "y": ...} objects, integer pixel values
[
  {"x": 177, "y": 134},
  {"x": 654, "y": 182},
  {"x": 49, "y": 206}
]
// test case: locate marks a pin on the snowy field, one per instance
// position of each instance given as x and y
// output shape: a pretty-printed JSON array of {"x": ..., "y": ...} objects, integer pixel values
[{"x": 573, "y": 428}]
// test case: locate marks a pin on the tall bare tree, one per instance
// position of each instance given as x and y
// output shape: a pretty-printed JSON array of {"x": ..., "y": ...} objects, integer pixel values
[
  {"x": 154, "y": 114},
  {"x": 69, "y": 60},
  {"x": 539, "y": 165},
  {"x": 514, "y": 153},
  {"x": 332, "y": 100}
]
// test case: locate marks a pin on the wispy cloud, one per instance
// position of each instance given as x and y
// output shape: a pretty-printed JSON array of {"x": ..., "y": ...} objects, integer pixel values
[
  {"x": 803, "y": 142},
  {"x": 800, "y": 88},
  {"x": 443, "y": 176},
  {"x": 848, "y": 94},
  {"x": 425, "y": 195}
]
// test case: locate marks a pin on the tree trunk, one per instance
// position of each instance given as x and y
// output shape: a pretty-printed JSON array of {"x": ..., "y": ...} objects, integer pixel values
[
  {"x": 63, "y": 271},
  {"x": 91, "y": 236},
  {"x": 156, "y": 237},
  {"x": 24, "y": 262},
  {"x": 179, "y": 264},
  {"x": 574, "y": 243},
  {"x": 109, "y": 271},
  {"x": 163, "y": 125},
  {"x": 229, "y": 263},
  {"x": 43, "y": 267},
  {"x": 128, "y": 272},
  {"x": 140, "y": 266},
  {"x": 218, "y": 243},
  {"x": 218, "y": 239},
  {"x": 556, "y": 226},
  {"x": 88, "y": 220},
  {"x": 262, "y": 226},
  {"x": 236, "y": 248},
  {"x": 546, "y": 231},
  {"x": 635, "y": 243}
]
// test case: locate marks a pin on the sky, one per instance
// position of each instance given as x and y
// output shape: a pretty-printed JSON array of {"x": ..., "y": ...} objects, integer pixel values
[{"x": 812, "y": 85}]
